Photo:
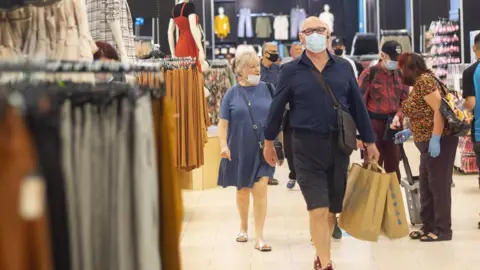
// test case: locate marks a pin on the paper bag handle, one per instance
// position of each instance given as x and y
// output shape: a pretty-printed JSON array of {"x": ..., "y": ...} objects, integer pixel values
[{"x": 373, "y": 166}]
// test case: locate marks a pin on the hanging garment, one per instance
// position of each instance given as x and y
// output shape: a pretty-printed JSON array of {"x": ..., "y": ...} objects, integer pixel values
[
  {"x": 245, "y": 28},
  {"x": 171, "y": 205},
  {"x": 113, "y": 216},
  {"x": 15, "y": 4},
  {"x": 44, "y": 125},
  {"x": 103, "y": 12},
  {"x": 146, "y": 191},
  {"x": 280, "y": 24},
  {"x": 185, "y": 87},
  {"x": 263, "y": 27},
  {"x": 186, "y": 46},
  {"x": 217, "y": 80},
  {"x": 222, "y": 26},
  {"x": 24, "y": 242},
  {"x": 297, "y": 16}
]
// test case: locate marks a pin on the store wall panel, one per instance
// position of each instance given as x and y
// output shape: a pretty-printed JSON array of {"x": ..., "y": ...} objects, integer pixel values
[
  {"x": 471, "y": 22},
  {"x": 392, "y": 14}
]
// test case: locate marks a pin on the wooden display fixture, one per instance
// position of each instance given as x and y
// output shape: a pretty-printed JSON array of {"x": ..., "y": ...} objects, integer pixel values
[{"x": 206, "y": 176}]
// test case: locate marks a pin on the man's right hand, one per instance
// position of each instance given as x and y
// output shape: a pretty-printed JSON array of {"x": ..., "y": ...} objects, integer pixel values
[
  {"x": 269, "y": 154},
  {"x": 372, "y": 153}
]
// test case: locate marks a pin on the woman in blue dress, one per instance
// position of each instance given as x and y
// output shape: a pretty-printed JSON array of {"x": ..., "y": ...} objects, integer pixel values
[{"x": 242, "y": 166}]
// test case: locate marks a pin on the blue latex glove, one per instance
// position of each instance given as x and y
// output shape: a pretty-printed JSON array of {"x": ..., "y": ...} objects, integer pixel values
[
  {"x": 402, "y": 136},
  {"x": 434, "y": 146}
]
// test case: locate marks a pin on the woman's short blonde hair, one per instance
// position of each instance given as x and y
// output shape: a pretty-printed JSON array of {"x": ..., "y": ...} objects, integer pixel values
[{"x": 242, "y": 60}]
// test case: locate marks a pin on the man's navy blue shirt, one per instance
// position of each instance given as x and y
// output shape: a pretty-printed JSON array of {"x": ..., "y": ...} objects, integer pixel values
[
  {"x": 310, "y": 107},
  {"x": 270, "y": 75}
]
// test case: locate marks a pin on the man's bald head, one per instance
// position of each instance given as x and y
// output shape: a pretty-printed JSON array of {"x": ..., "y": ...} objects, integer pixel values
[
  {"x": 313, "y": 22},
  {"x": 313, "y": 25}
]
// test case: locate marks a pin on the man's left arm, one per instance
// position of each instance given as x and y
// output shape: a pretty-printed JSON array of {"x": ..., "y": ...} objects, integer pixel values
[{"x": 358, "y": 110}]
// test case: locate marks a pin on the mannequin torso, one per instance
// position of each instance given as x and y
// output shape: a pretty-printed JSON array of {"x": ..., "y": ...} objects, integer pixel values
[
  {"x": 111, "y": 21},
  {"x": 189, "y": 42},
  {"x": 327, "y": 17},
  {"x": 222, "y": 24}
]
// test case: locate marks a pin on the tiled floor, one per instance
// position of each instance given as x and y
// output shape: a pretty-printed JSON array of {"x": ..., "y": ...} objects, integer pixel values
[{"x": 211, "y": 225}]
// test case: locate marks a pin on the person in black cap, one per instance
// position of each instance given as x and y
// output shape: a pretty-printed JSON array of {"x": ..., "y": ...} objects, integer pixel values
[
  {"x": 384, "y": 93},
  {"x": 338, "y": 47}
]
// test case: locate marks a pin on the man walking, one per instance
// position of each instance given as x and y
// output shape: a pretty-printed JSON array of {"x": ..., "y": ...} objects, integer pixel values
[
  {"x": 384, "y": 93},
  {"x": 338, "y": 47},
  {"x": 295, "y": 51},
  {"x": 269, "y": 71},
  {"x": 320, "y": 165}
]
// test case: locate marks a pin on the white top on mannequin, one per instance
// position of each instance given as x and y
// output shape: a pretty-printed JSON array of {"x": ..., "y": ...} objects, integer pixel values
[
  {"x": 197, "y": 36},
  {"x": 327, "y": 17},
  {"x": 221, "y": 12}
]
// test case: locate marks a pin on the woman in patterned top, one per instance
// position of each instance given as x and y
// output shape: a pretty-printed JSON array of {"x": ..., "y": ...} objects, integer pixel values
[{"x": 437, "y": 148}]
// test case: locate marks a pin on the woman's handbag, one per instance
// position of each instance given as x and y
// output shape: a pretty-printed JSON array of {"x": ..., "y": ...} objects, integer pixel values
[
  {"x": 278, "y": 145},
  {"x": 347, "y": 129},
  {"x": 455, "y": 118}
]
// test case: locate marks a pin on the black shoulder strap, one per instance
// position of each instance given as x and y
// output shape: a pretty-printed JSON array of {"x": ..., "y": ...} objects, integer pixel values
[
  {"x": 254, "y": 126},
  {"x": 326, "y": 88},
  {"x": 271, "y": 88},
  {"x": 442, "y": 86}
]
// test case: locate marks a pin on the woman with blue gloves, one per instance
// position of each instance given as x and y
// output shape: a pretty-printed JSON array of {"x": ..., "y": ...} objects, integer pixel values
[{"x": 437, "y": 148}]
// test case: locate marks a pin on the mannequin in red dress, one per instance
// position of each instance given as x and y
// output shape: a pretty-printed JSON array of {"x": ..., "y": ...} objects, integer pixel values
[{"x": 189, "y": 42}]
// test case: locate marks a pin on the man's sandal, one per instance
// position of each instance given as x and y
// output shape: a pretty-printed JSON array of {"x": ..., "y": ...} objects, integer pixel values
[
  {"x": 431, "y": 237},
  {"x": 263, "y": 247},
  {"x": 416, "y": 235},
  {"x": 242, "y": 237}
]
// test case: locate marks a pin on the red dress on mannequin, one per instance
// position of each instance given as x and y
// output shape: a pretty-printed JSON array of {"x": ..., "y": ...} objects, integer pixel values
[{"x": 186, "y": 45}]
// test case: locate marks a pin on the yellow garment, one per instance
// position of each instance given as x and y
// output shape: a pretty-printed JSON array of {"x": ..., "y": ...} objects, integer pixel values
[
  {"x": 222, "y": 26},
  {"x": 171, "y": 204}
]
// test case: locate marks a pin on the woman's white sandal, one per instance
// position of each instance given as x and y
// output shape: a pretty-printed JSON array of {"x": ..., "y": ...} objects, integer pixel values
[{"x": 242, "y": 237}]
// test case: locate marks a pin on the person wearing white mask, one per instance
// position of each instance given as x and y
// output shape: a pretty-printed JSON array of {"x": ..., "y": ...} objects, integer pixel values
[
  {"x": 243, "y": 115},
  {"x": 321, "y": 165},
  {"x": 384, "y": 93}
]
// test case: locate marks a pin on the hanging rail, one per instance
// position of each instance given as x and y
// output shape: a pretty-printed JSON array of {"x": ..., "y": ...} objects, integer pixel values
[{"x": 25, "y": 65}]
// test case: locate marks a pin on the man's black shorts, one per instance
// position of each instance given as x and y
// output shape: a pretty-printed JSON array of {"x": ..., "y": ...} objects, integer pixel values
[{"x": 321, "y": 170}]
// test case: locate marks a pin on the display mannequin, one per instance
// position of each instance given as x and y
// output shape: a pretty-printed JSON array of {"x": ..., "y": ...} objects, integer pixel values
[
  {"x": 222, "y": 24},
  {"x": 111, "y": 21},
  {"x": 327, "y": 17},
  {"x": 190, "y": 41}
]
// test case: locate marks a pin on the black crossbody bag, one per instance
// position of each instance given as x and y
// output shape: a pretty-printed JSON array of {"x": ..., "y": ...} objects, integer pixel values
[
  {"x": 278, "y": 145},
  {"x": 346, "y": 127}
]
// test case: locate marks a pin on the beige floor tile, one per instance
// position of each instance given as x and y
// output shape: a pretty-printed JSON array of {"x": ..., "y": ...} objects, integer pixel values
[{"x": 211, "y": 224}]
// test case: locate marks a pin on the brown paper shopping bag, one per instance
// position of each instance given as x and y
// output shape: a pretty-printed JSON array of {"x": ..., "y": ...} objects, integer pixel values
[
  {"x": 364, "y": 203},
  {"x": 394, "y": 224}
]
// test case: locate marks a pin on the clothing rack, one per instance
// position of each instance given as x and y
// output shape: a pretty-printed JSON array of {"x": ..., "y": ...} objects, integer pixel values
[
  {"x": 218, "y": 63},
  {"x": 263, "y": 14},
  {"x": 55, "y": 66}
]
